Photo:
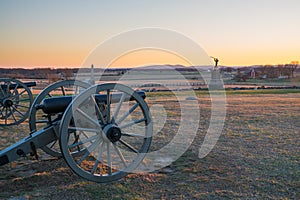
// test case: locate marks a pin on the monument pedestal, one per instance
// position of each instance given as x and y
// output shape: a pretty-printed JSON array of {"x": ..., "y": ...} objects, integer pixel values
[{"x": 215, "y": 82}]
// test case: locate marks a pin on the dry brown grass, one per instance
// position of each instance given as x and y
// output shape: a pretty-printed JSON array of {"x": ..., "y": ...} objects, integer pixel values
[{"x": 256, "y": 157}]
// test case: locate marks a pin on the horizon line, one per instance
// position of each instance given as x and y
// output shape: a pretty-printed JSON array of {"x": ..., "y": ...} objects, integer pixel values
[{"x": 129, "y": 67}]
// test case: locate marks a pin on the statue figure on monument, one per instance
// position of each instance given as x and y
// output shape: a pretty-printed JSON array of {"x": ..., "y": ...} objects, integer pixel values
[{"x": 216, "y": 62}]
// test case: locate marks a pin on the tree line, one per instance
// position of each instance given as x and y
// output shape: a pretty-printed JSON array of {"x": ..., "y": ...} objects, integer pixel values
[
  {"x": 37, "y": 73},
  {"x": 264, "y": 71}
]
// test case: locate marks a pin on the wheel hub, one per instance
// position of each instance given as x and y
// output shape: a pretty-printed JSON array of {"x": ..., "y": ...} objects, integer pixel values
[
  {"x": 7, "y": 103},
  {"x": 112, "y": 133}
]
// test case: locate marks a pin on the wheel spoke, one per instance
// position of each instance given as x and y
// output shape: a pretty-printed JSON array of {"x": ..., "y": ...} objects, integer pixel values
[
  {"x": 100, "y": 151},
  {"x": 1, "y": 89},
  {"x": 90, "y": 149},
  {"x": 22, "y": 92},
  {"x": 120, "y": 155},
  {"x": 134, "y": 135},
  {"x": 118, "y": 108},
  {"x": 6, "y": 116},
  {"x": 108, "y": 106},
  {"x": 98, "y": 111},
  {"x": 83, "y": 129},
  {"x": 2, "y": 111},
  {"x": 84, "y": 134},
  {"x": 132, "y": 123},
  {"x": 128, "y": 113},
  {"x": 15, "y": 89},
  {"x": 15, "y": 108},
  {"x": 87, "y": 117},
  {"x": 12, "y": 114},
  {"x": 83, "y": 141},
  {"x": 83, "y": 157},
  {"x": 76, "y": 140},
  {"x": 128, "y": 146},
  {"x": 109, "y": 166},
  {"x": 7, "y": 88},
  {"x": 63, "y": 90},
  {"x": 19, "y": 105},
  {"x": 95, "y": 166}
]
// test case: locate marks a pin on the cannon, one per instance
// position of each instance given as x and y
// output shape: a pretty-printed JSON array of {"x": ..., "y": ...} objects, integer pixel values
[
  {"x": 15, "y": 101},
  {"x": 103, "y": 132}
]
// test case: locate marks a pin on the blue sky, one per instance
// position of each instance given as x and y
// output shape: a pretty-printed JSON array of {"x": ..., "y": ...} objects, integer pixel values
[{"x": 63, "y": 32}]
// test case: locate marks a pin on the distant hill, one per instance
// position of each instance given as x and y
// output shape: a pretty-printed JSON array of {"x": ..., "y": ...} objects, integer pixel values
[{"x": 176, "y": 67}]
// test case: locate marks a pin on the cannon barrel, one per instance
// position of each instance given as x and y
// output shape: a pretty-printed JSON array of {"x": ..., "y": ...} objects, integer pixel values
[
  {"x": 30, "y": 84},
  {"x": 55, "y": 105},
  {"x": 12, "y": 86}
]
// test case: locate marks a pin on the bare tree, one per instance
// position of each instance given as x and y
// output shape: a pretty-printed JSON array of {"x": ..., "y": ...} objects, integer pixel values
[
  {"x": 280, "y": 69},
  {"x": 270, "y": 71},
  {"x": 294, "y": 65},
  {"x": 68, "y": 73}
]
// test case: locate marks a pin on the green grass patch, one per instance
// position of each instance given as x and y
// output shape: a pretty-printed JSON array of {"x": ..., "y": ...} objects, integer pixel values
[
  {"x": 264, "y": 91},
  {"x": 228, "y": 92}
]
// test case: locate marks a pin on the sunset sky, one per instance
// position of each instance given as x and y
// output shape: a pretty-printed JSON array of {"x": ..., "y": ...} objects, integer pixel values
[{"x": 56, "y": 33}]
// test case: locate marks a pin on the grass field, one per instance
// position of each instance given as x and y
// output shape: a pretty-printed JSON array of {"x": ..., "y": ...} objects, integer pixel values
[{"x": 256, "y": 157}]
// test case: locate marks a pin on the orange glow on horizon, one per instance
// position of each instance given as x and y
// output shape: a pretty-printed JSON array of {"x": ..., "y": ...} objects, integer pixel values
[
  {"x": 148, "y": 57},
  {"x": 59, "y": 57}
]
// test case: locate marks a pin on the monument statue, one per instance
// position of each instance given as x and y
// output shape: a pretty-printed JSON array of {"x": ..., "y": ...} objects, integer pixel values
[
  {"x": 216, "y": 62},
  {"x": 215, "y": 82}
]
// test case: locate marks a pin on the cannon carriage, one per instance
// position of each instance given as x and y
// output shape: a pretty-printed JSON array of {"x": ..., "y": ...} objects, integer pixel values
[{"x": 103, "y": 132}]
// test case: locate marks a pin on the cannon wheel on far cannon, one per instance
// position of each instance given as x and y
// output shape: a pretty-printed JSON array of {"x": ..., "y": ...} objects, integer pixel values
[
  {"x": 15, "y": 101},
  {"x": 38, "y": 119},
  {"x": 115, "y": 144}
]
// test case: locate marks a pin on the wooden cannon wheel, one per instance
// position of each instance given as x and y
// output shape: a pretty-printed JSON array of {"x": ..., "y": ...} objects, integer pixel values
[
  {"x": 15, "y": 101},
  {"x": 115, "y": 143},
  {"x": 38, "y": 120}
]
